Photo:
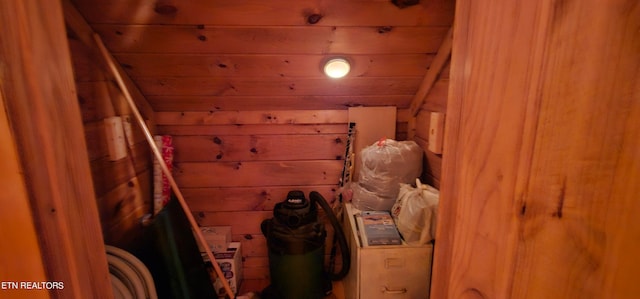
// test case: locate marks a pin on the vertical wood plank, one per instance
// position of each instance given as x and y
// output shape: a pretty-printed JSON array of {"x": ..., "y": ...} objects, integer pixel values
[
  {"x": 20, "y": 254},
  {"x": 122, "y": 187},
  {"x": 585, "y": 165},
  {"x": 541, "y": 153},
  {"x": 45, "y": 117}
]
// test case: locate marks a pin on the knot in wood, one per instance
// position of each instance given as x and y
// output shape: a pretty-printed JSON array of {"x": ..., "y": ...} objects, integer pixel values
[
  {"x": 314, "y": 18},
  {"x": 165, "y": 9},
  {"x": 384, "y": 29}
]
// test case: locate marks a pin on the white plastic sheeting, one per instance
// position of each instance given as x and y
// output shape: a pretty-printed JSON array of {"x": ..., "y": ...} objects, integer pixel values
[{"x": 130, "y": 278}]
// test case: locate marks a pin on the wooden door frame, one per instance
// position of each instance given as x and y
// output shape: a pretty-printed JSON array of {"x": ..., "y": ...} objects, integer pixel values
[
  {"x": 541, "y": 167},
  {"x": 40, "y": 99}
]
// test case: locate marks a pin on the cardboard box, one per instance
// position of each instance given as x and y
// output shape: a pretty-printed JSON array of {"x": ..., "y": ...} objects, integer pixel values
[
  {"x": 230, "y": 262},
  {"x": 217, "y": 237}
]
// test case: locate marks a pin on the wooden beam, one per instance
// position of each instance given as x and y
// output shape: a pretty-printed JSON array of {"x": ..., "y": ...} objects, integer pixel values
[
  {"x": 44, "y": 115},
  {"x": 83, "y": 31},
  {"x": 20, "y": 253},
  {"x": 444, "y": 52}
]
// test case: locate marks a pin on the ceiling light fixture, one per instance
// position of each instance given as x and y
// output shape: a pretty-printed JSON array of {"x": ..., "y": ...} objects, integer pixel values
[{"x": 337, "y": 67}]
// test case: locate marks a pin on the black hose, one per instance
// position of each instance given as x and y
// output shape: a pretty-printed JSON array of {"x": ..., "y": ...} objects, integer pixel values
[{"x": 342, "y": 239}]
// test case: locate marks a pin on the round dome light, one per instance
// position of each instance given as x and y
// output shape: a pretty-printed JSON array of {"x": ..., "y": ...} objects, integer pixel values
[{"x": 337, "y": 68}]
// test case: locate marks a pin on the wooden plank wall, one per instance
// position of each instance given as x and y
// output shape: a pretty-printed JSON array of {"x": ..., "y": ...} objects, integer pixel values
[
  {"x": 435, "y": 101},
  {"x": 431, "y": 100},
  {"x": 234, "y": 166},
  {"x": 542, "y": 168},
  {"x": 402, "y": 124},
  {"x": 20, "y": 252},
  {"x": 122, "y": 187},
  {"x": 243, "y": 96},
  {"x": 38, "y": 94},
  {"x": 204, "y": 55}
]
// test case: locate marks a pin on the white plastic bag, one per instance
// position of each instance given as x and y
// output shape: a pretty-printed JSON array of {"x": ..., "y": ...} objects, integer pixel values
[
  {"x": 366, "y": 200},
  {"x": 385, "y": 165},
  {"x": 415, "y": 213}
]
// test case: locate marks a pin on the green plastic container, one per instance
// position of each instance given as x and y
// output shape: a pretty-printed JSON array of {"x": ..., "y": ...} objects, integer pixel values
[
  {"x": 296, "y": 276},
  {"x": 295, "y": 239}
]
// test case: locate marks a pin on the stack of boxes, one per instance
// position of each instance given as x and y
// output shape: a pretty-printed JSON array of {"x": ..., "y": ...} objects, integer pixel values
[{"x": 227, "y": 254}]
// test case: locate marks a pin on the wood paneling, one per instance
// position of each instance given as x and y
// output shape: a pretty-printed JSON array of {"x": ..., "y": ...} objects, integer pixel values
[
  {"x": 243, "y": 222},
  {"x": 242, "y": 193},
  {"x": 256, "y": 268},
  {"x": 439, "y": 61},
  {"x": 234, "y": 166},
  {"x": 253, "y": 129},
  {"x": 86, "y": 65},
  {"x": 254, "y": 198},
  {"x": 122, "y": 187},
  {"x": 436, "y": 100},
  {"x": 239, "y": 86},
  {"x": 207, "y": 86},
  {"x": 214, "y": 55},
  {"x": 259, "y": 148},
  {"x": 123, "y": 208},
  {"x": 39, "y": 96},
  {"x": 279, "y": 102},
  {"x": 109, "y": 174},
  {"x": 541, "y": 165},
  {"x": 432, "y": 164},
  {"x": 270, "y": 40},
  {"x": 252, "y": 117},
  {"x": 80, "y": 30},
  {"x": 118, "y": 204},
  {"x": 272, "y": 13},
  {"x": 256, "y": 245},
  {"x": 95, "y": 135},
  {"x": 432, "y": 97},
  {"x": 237, "y": 65},
  {"x": 250, "y": 173},
  {"x": 20, "y": 254}
]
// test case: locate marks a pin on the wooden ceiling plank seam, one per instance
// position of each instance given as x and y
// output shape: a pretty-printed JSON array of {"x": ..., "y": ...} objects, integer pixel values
[
  {"x": 270, "y": 40},
  {"x": 250, "y": 103},
  {"x": 268, "y": 65},
  {"x": 256, "y": 129},
  {"x": 443, "y": 55},
  {"x": 252, "y": 117},
  {"x": 278, "y": 86}
]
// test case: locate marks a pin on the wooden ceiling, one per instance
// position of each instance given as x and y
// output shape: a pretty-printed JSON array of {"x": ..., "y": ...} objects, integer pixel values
[{"x": 210, "y": 55}]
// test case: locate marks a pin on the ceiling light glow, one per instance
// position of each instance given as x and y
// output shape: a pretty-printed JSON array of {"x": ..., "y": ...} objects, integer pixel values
[{"x": 337, "y": 68}]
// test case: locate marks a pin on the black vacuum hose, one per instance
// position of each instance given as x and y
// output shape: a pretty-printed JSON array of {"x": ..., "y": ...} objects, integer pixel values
[{"x": 342, "y": 239}]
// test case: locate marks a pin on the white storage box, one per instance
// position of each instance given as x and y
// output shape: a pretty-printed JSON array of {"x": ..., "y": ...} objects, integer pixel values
[
  {"x": 217, "y": 237},
  {"x": 230, "y": 262}
]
